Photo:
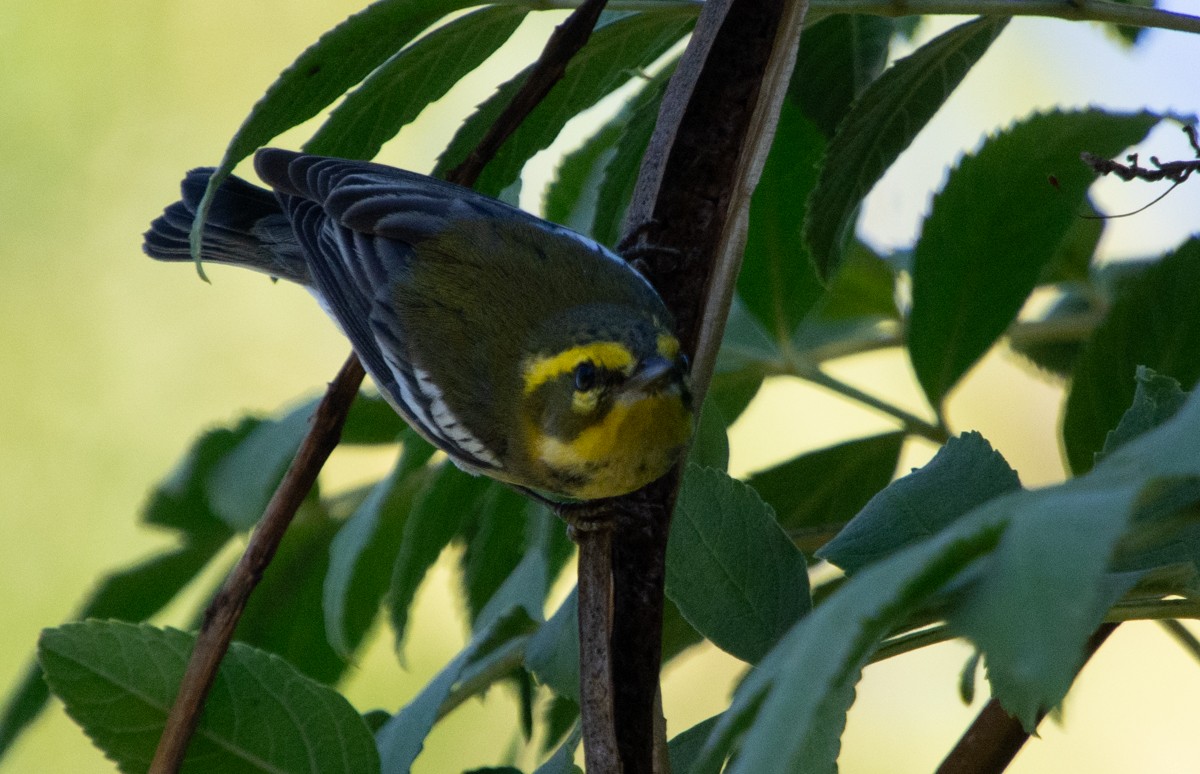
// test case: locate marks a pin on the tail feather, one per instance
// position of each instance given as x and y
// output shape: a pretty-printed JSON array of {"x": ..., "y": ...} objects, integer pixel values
[{"x": 245, "y": 227}]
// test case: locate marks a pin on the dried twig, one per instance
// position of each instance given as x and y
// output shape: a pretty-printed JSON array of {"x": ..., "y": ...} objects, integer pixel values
[{"x": 1178, "y": 171}]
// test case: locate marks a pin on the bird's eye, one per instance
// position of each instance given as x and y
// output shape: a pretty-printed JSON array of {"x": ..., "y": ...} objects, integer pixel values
[{"x": 585, "y": 376}]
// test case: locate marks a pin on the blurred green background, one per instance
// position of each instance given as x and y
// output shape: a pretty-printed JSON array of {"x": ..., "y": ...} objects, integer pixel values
[{"x": 110, "y": 364}]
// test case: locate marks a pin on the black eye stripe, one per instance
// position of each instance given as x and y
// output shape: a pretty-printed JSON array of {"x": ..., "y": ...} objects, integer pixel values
[{"x": 585, "y": 376}]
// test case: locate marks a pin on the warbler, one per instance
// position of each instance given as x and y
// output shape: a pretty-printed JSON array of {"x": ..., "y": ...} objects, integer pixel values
[{"x": 524, "y": 350}]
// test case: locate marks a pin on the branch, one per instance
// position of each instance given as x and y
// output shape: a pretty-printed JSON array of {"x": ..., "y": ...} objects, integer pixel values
[
  {"x": 225, "y": 610},
  {"x": 995, "y": 737},
  {"x": 596, "y": 711},
  {"x": 689, "y": 210},
  {"x": 913, "y": 424}
]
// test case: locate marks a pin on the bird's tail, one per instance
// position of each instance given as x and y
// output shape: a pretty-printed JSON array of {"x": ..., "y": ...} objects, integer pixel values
[{"x": 245, "y": 227}]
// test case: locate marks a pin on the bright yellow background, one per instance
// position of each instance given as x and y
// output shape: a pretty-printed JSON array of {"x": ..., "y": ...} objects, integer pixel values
[{"x": 111, "y": 364}]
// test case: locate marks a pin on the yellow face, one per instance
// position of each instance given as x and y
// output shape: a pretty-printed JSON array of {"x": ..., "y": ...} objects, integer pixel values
[{"x": 607, "y": 422}]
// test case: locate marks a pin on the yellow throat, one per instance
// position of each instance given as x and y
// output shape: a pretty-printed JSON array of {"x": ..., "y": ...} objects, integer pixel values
[{"x": 633, "y": 444}]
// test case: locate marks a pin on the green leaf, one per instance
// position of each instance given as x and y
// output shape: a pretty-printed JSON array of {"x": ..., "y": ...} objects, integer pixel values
[
  {"x": 746, "y": 345},
  {"x": 732, "y": 391},
  {"x": 864, "y": 289},
  {"x": 132, "y": 594},
  {"x": 684, "y": 748},
  {"x": 560, "y": 717},
  {"x": 363, "y": 553},
  {"x": 1162, "y": 537},
  {"x": 975, "y": 266},
  {"x": 553, "y": 651},
  {"x": 181, "y": 501},
  {"x": 788, "y": 713},
  {"x": 1057, "y": 351},
  {"x": 243, "y": 482},
  {"x": 677, "y": 634},
  {"x": 838, "y": 58},
  {"x": 570, "y": 198},
  {"x": 342, "y": 57},
  {"x": 731, "y": 570},
  {"x": 746, "y": 356},
  {"x": 402, "y": 738},
  {"x": 396, "y": 93},
  {"x": 964, "y": 474},
  {"x": 1032, "y": 607},
  {"x": 526, "y": 586},
  {"x": 372, "y": 421},
  {"x": 118, "y": 681},
  {"x": 1045, "y": 590},
  {"x": 1165, "y": 530},
  {"x": 618, "y": 48},
  {"x": 1170, "y": 450},
  {"x": 496, "y": 541},
  {"x": 1154, "y": 322},
  {"x": 437, "y": 515},
  {"x": 24, "y": 704},
  {"x": 710, "y": 447},
  {"x": 284, "y": 616},
  {"x": 621, "y": 171},
  {"x": 815, "y": 493},
  {"x": 777, "y": 282},
  {"x": 1156, "y": 399},
  {"x": 880, "y": 125},
  {"x": 1072, "y": 258},
  {"x": 857, "y": 313},
  {"x": 563, "y": 759}
]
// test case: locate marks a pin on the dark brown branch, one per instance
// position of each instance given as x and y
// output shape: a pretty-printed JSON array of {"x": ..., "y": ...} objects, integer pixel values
[
  {"x": 995, "y": 737},
  {"x": 225, "y": 611},
  {"x": 595, "y": 662},
  {"x": 689, "y": 208}
]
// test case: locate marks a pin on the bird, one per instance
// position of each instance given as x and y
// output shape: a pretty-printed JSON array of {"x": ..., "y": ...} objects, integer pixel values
[{"x": 524, "y": 350}]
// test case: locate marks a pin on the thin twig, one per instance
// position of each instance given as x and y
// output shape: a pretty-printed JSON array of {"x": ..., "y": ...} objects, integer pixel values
[
  {"x": 995, "y": 737},
  {"x": 223, "y": 613},
  {"x": 910, "y": 641},
  {"x": 566, "y": 40},
  {"x": 1165, "y": 611},
  {"x": 1178, "y": 171},
  {"x": 938, "y": 433},
  {"x": 1183, "y": 636},
  {"x": 501, "y": 663}
]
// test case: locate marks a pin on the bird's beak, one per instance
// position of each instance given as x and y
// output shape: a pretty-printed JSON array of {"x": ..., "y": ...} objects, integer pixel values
[{"x": 652, "y": 375}]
